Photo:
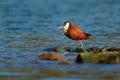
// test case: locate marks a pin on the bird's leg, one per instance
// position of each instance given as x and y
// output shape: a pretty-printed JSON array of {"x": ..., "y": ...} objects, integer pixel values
[{"x": 81, "y": 44}]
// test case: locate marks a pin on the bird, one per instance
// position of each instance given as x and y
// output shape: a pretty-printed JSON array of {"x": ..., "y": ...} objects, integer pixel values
[{"x": 74, "y": 32}]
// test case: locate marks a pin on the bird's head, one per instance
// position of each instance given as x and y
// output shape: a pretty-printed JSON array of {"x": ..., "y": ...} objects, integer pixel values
[{"x": 66, "y": 25}]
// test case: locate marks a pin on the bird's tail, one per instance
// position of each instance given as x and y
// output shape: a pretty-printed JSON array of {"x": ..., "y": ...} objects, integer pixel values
[{"x": 89, "y": 35}]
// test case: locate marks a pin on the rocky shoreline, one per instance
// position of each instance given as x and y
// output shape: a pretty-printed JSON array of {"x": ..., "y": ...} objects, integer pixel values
[{"x": 107, "y": 54}]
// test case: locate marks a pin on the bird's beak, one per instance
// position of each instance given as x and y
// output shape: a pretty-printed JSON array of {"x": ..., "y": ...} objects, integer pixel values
[{"x": 60, "y": 27}]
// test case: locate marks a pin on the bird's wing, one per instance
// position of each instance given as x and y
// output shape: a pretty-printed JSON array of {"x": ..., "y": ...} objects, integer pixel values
[{"x": 87, "y": 34}]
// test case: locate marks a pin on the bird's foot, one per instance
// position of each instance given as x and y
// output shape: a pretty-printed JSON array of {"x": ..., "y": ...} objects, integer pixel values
[{"x": 81, "y": 47}]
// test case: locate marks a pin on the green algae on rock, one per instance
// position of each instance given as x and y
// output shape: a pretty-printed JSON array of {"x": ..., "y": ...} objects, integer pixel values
[
  {"x": 94, "y": 49},
  {"x": 107, "y": 54},
  {"x": 110, "y": 58},
  {"x": 59, "y": 49},
  {"x": 110, "y": 49},
  {"x": 86, "y": 58},
  {"x": 79, "y": 50}
]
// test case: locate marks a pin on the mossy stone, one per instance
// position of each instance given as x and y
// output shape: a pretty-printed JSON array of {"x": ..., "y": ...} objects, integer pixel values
[
  {"x": 79, "y": 59},
  {"x": 59, "y": 49},
  {"x": 94, "y": 49},
  {"x": 79, "y": 50},
  {"x": 113, "y": 49}
]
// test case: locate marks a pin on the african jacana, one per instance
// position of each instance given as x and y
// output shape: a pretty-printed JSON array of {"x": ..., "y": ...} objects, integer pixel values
[{"x": 75, "y": 33}]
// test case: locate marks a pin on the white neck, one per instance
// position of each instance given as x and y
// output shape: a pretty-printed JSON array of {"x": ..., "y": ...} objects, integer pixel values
[{"x": 66, "y": 27}]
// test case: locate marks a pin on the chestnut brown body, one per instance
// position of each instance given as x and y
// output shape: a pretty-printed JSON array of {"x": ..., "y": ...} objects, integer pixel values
[{"x": 75, "y": 33}]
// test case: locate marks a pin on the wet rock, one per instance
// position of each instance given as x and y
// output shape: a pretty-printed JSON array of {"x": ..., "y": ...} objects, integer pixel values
[
  {"x": 107, "y": 49},
  {"x": 89, "y": 58},
  {"x": 51, "y": 56},
  {"x": 104, "y": 49},
  {"x": 79, "y": 59},
  {"x": 110, "y": 58},
  {"x": 103, "y": 58},
  {"x": 94, "y": 50},
  {"x": 63, "y": 63},
  {"x": 113, "y": 49},
  {"x": 70, "y": 54},
  {"x": 113, "y": 58},
  {"x": 55, "y": 49},
  {"x": 59, "y": 49},
  {"x": 79, "y": 50},
  {"x": 50, "y": 49},
  {"x": 106, "y": 55},
  {"x": 86, "y": 58},
  {"x": 68, "y": 49}
]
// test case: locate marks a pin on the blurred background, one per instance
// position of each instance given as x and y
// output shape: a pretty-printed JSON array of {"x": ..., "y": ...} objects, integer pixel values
[
  {"x": 22, "y": 21},
  {"x": 29, "y": 26}
]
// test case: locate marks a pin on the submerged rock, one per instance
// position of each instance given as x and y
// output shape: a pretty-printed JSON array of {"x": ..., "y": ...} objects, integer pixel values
[
  {"x": 59, "y": 49},
  {"x": 79, "y": 50},
  {"x": 63, "y": 63},
  {"x": 69, "y": 49},
  {"x": 87, "y": 58},
  {"x": 114, "y": 58},
  {"x": 79, "y": 59},
  {"x": 51, "y": 56},
  {"x": 107, "y": 54},
  {"x": 113, "y": 49},
  {"x": 98, "y": 58},
  {"x": 110, "y": 49},
  {"x": 94, "y": 50},
  {"x": 104, "y": 49},
  {"x": 50, "y": 49}
]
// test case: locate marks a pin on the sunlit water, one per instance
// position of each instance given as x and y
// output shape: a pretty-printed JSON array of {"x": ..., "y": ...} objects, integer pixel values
[{"x": 29, "y": 26}]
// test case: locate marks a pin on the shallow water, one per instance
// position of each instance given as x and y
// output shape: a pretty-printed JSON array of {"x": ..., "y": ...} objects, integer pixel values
[{"x": 29, "y": 26}]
